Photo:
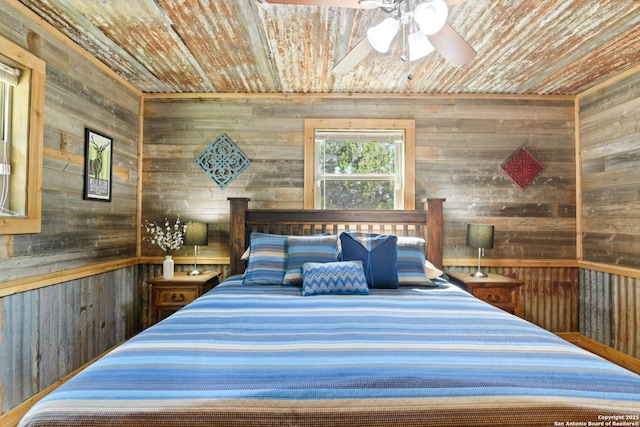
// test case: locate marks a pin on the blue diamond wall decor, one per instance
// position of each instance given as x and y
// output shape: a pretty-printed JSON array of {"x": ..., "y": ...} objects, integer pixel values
[{"x": 223, "y": 161}]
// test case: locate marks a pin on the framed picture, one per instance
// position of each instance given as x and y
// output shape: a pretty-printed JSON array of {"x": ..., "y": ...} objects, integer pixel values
[{"x": 98, "y": 155}]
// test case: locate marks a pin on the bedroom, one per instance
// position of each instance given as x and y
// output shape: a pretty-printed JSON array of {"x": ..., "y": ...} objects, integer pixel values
[{"x": 84, "y": 269}]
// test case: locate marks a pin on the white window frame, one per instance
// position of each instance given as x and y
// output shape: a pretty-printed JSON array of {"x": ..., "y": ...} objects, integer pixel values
[{"x": 311, "y": 164}]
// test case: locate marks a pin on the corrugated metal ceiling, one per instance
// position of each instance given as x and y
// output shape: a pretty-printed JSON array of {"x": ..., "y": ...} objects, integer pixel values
[{"x": 558, "y": 47}]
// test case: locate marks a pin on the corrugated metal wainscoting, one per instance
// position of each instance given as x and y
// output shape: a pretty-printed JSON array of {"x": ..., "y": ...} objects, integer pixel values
[
  {"x": 548, "y": 297},
  {"x": 609, "y": 310}
]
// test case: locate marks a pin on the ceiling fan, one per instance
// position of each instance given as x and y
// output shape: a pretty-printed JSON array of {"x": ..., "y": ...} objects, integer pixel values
[{"x": 424, "y": 27}]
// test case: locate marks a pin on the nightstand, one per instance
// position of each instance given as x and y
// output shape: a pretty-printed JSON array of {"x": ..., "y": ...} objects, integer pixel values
[
  {"x": 497, "y": 290},
  {"x": 169, "y": 295}
]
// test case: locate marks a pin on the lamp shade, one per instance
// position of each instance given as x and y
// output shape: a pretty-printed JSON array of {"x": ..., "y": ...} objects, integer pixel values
[
  {"x": 419, "y": 46},
  {"x": 431, "y": 16},
  {"x": 381, "y": 36},
  {"x": 480, "y": 236},
  {"x": 197, "y": 234},
  {"x": 371, "y": 3}
]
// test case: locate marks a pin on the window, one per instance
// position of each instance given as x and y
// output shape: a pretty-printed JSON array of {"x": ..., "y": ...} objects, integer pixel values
[
  {"x": 359, "y": 169},
  {"x": 22, "y": 77},
  {"x": 359, "y": 164},
  {"x": 9, "y": 77}
]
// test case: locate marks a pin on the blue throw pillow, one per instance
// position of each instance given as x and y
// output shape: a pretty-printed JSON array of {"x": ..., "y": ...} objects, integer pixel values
[
  {"x": 301, "y": 249},
  {"x": 379, "y": 256},
  {"x": 340, "y": 278},
  {"x": 411, "y": 262},
  {"x": 267, "y": 257}
]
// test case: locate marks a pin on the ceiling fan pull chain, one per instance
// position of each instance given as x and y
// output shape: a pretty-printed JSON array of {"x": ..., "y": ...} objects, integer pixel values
[{"x": 404, "y": 56}]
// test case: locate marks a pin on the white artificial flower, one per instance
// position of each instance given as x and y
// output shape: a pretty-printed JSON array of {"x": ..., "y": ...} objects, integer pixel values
[{"x": 169, "y": 238}]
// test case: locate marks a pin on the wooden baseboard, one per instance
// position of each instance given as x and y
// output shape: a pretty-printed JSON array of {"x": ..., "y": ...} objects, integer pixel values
[
  {"x": 506, "y": 262},
  {"x": 604, "y": 351}
]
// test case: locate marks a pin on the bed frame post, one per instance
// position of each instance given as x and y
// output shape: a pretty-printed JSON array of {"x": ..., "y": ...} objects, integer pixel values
[
  {"x": 237, "y": 233},
  {"x": 435, "y": 226}
]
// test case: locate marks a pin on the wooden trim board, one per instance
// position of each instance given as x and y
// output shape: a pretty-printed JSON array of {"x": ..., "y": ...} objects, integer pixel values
[
  {"x": 604, "y": 351},
  {"x": 35, "y": 282}
]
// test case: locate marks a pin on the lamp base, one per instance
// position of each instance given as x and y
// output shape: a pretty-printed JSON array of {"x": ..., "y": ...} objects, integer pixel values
[
  {"x": 479, "y": 274},
  {"x": 195, "y": 272}
]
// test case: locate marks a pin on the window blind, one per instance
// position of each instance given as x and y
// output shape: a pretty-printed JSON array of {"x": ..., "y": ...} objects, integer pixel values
[{"x": 9, "y": 74}]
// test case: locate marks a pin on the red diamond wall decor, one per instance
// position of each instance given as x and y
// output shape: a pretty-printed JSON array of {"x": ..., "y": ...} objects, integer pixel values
[{"x": 522, "y": 168}]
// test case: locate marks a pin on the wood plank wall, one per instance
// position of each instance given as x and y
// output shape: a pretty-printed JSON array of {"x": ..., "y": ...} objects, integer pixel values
[
  {"x": 48, "y": 332},
  {"x": 460, "y": 144},
  {"x": 75, "y": 232},
  {"x": 610, "y": 159},
  {"x": 610, "y": 146}
]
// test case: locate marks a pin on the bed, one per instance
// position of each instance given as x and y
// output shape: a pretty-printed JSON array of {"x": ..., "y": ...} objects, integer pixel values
[{"x": 265, "y": 354}]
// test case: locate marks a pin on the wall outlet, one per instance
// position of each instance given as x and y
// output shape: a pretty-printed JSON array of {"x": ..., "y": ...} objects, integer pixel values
[{"x": 5, "y": 169}]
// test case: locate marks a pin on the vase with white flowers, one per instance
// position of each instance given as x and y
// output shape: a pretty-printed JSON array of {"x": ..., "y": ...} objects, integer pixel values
[{"x": 169, "y": 238}]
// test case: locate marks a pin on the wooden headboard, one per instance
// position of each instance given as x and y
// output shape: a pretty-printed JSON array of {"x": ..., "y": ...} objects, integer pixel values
[{"x": 426, "y": 223}]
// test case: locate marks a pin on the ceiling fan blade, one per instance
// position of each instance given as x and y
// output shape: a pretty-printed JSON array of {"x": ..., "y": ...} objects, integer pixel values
[
  {"x": 353, "y": 58},
  {"x": 452, "y": 46},
  {"x": 352, "y": 4}
]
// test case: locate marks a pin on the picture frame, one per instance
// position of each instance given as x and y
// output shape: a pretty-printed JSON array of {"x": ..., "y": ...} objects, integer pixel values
[{"x": 98, "y": 168}]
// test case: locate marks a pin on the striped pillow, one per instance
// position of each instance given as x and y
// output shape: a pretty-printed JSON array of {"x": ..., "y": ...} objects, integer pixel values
[
  {"x": 338, "y": 278},
  {"x": 267, "y": 257},
  {"x": 411, "y": 262},
  {"x": 300, "y": 249}
]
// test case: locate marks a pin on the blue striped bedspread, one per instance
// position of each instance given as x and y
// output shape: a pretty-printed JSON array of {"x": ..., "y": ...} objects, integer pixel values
[{"x": 265, "y": 355}]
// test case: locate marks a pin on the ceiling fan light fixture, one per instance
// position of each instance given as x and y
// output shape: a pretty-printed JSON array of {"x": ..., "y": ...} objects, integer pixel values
[
  {"x": 431, "y": 16},
  {"x": 419, "y": 46},
  {"x": 378, "y": 3},
  {"x": 370, "y": 3},
  {"x": 381, "y": 36}
]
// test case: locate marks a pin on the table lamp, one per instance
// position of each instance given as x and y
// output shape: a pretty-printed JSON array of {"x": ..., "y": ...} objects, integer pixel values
[
  {"x": 480, "y": 236},
  {"x": 197, "y": 234}
]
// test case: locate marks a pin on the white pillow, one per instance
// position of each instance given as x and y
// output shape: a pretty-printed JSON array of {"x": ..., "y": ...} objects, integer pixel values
[{"x": 431, "y": 270}]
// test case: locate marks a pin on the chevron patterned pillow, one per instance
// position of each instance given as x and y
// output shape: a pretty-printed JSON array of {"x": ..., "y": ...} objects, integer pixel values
[{"x": 341, "y": 278}]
